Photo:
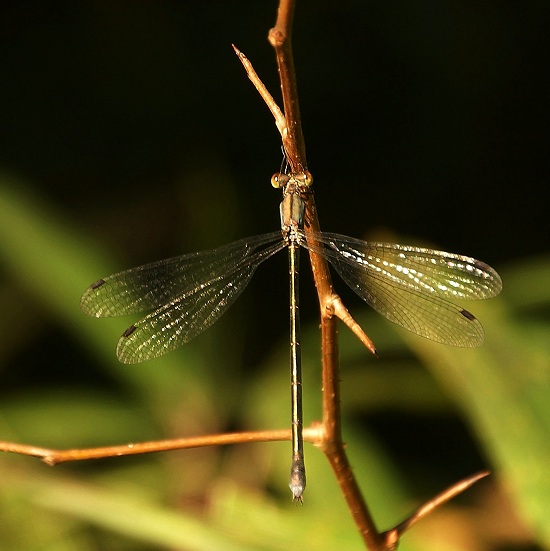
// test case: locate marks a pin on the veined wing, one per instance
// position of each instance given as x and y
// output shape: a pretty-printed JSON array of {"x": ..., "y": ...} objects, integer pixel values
[
  {"x": 153, "y": 285},
  {"x": 193, "y": 291},
  {"x": 189, "y": 314},
  {"x": 410, "y": 285}
]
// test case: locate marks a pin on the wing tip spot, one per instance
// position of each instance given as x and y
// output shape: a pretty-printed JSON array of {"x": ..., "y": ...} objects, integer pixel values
[
  {"x": 129, "y": 331},
  {"x": 97, "y": 284},
  {"x": 468, "y": 315}
]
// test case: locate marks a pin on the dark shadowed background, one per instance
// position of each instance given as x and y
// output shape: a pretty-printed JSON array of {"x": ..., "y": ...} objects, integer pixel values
[{"x": 133, "y": 126}]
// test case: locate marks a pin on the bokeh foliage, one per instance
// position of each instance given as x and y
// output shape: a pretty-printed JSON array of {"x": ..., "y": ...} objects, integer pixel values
[{"x": 133, "y": 134}]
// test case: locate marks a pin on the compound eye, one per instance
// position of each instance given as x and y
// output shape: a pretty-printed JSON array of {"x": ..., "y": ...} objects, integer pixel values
[
  {"x": 279, "y": 180},
  {"x": 306, "y": 178}
]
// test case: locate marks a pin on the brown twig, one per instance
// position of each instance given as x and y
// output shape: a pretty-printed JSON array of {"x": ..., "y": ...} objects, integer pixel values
[
  {"x": 293, "y": 142},
  {"x": 330, "y": 304},
  {"x": 280, "y": 38},
  {"x": 53, "y": 457},
  {"x": 392, "y": 536}
]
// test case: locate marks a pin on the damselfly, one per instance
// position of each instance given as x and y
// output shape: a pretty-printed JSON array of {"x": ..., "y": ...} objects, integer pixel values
[{"x": 410, "y": 286}]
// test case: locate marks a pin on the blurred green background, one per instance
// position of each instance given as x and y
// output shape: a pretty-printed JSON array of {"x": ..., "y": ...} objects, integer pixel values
[{"x": 131, "y": 133}]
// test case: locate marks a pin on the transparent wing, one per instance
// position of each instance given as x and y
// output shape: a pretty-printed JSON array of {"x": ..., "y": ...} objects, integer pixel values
[
  {"x": 184, "y": 318},
  {"x": 410, "y": 285},
  {"x": 152, "y": 285},
  {"x": 190, "y": 292}
]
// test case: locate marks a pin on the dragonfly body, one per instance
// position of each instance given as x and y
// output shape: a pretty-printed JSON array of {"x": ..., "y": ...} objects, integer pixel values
[
  {"x": 292, "y": 223},
  {"x": 411, "y": 286}
]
